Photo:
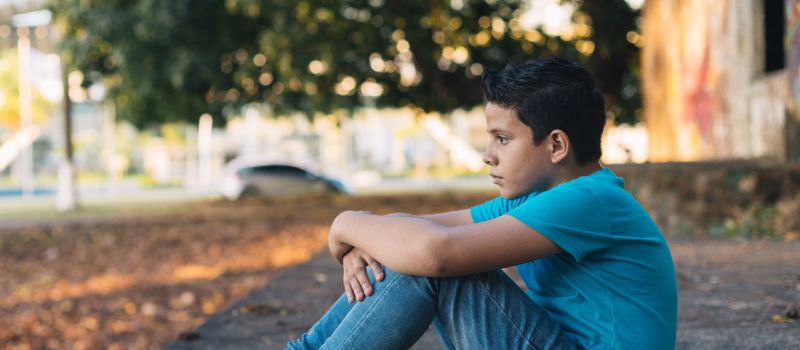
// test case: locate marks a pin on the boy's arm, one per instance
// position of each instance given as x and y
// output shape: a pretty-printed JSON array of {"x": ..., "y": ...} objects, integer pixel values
[
  {"x": 420, "y": 247},
  {"x": 452, "y": 218}
]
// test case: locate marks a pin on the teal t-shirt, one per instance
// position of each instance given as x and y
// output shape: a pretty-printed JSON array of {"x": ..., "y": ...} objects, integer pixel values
[{"x": 614, "y": 286}]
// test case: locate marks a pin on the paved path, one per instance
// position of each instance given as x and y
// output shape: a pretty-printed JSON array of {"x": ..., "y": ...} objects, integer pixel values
[{"x": 729, "y": 292}]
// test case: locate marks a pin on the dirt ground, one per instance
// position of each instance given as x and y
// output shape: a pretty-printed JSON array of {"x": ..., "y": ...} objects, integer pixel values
[
  {"x": 254, "y": 275},
  {"x": 132, "y": 281},
  {"x": 732, "y": 295}
]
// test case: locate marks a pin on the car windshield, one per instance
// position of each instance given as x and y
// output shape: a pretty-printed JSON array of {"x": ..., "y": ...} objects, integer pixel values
[{"x": 279, "y": 170}]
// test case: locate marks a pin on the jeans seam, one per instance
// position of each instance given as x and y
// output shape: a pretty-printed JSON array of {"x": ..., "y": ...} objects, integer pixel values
[
  {"x": 511, "y": 320},
  {"x": 352, "y": 331}
]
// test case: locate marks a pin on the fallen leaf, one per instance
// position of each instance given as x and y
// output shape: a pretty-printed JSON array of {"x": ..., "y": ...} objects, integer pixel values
[{"x": 779, "y": 319}]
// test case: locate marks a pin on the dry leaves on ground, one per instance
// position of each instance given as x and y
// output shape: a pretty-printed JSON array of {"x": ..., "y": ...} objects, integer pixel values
[{"x": 138, "y": 282}]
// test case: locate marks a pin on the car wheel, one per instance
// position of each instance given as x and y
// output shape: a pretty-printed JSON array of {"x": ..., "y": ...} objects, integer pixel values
[
  {"x": 249, "y": 192},
  {"x": 332, "y": 189}
]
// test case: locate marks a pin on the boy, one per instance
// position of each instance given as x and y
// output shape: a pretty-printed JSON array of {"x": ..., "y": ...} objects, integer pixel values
[{"x": 599, "y": 271}]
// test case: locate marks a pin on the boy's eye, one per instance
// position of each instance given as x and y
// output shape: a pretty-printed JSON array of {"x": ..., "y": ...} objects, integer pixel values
[{"x": 502, "y": 139}]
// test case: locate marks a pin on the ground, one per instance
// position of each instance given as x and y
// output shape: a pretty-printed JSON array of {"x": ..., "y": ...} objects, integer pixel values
[
  {"x": 254, "y": 275},
  {"x": 134, "y": 278},
  {"x": 732, "y": 295}
]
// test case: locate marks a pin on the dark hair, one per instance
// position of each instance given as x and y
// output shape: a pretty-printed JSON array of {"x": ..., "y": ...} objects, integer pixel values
[{"x": 548, "y": 94}]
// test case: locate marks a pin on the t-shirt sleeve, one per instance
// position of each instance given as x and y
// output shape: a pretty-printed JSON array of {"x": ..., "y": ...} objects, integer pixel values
[
  {"x": 496, "y": 207},
  {"x": 571, "y": 216}
]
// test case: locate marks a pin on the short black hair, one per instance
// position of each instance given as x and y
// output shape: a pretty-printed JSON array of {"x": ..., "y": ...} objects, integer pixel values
[{"x": 549, "y": 94}]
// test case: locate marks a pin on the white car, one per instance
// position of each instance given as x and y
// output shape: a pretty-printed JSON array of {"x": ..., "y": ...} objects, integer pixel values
[{"x": 276, "y": 177}]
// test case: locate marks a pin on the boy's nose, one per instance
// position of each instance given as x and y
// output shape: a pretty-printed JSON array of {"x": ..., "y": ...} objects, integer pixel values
[{"x": 489, "y": 158}]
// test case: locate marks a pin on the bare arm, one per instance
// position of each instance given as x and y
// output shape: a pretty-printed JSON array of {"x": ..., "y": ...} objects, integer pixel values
[
  {"x": 420, "y": 247},
  {"x": 452, "y": 218},
  {"x": 357, "y": 285}
]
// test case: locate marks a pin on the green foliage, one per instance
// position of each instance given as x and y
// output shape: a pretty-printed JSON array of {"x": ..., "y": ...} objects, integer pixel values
[
  {"x": 616, "y": 62},
  {"x": 168, "y": 61},
  {"x": 760, "y": 223}
]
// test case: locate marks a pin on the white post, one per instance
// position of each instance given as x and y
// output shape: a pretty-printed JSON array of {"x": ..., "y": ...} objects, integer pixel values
[
  {"x": 251, "y": 131},
  {"x": 25, "y": 107},
  {"x": 110, "y": 151},
  {"x": 191, "y": 172},
  {"x": 65, "y": 197},
  {"x": 205, "y": 170}
]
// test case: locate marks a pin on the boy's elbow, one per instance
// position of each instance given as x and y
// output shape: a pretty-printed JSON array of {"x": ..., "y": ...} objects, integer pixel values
[{"x": 437, "y": 261}]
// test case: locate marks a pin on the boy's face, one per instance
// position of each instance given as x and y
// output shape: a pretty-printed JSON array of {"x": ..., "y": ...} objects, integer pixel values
[{"x": 518, "y": 167}]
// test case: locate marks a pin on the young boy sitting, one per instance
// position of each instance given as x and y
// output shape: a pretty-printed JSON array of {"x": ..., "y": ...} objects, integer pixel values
[{"x": 599, "y": 271}]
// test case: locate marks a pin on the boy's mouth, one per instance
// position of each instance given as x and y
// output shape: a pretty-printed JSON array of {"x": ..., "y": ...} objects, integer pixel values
[{"x": 495, "y": 179}]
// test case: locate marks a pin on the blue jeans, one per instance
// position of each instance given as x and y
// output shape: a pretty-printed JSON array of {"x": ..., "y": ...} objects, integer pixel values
[{"x": 482, "y": 311}]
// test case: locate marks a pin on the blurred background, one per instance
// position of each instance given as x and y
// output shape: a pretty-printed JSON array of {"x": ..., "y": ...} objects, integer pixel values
[
  {"x": 159, "y": 97},
  {"x": 127, "y": 125}
]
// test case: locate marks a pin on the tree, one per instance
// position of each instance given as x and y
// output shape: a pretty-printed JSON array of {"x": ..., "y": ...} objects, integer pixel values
[
  {"x": 166, "y": 61},
  {"x": 616, "y": 63}
]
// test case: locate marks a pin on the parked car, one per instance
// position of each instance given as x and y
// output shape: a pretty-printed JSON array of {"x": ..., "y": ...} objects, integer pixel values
[{"x": 273, "y": 177}]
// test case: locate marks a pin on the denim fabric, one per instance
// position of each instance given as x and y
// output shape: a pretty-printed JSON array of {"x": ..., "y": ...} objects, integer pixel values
[{"x": 482, "y": 311}]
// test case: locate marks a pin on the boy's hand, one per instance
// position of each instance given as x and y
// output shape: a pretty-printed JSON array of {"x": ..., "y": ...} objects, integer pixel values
[{"x": 356, "y": 281}]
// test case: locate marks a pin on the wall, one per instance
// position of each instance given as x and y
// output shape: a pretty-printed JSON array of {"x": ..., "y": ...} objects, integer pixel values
[
  {"x": 748, "y": 199},
  {"x": 706, "y": 96}
]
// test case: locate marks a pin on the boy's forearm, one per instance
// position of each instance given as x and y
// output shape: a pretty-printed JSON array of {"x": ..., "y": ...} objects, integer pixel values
[
  {"x": 401, "y": 215},
  {"x": 452, "y": 219},
  {"x": 405, "y": 244}
]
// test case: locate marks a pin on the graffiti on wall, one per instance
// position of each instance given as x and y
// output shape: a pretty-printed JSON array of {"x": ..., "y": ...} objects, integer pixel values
[
  {"x": 699, "y": 73},
  {"x": 704, "y": 89},
  {"x": 792, "y": 38}
]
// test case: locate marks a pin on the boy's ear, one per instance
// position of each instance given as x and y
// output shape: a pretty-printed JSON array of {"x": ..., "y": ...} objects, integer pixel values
[{"x": 559, "y": 146}]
